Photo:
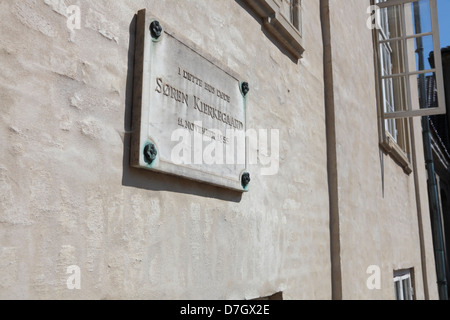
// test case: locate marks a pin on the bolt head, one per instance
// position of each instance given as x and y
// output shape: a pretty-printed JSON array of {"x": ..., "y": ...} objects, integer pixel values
[
  {"x": 150, "y": 153},
  {"x": 245, "y": 179},
  {"x": 156, "y": 29},
  {"x": 245, "y": 88}
]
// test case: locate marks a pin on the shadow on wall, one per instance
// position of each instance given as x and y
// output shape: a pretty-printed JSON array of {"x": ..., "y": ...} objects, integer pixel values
[{"x": 148, "y": 180}]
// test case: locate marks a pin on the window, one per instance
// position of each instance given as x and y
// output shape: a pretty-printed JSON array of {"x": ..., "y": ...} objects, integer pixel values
[
  {"x": 387, "y": 69},
  {"x": 282, "y": 19},
  {"x": 406, "y": 33},
  {"x": 290, "y": 9},
  {"x": 403, "y": 283}
]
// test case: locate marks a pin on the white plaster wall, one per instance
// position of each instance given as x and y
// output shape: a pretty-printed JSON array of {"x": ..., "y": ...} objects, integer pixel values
[
  {"x": 379, "y": 223},
  {"x": 69, "y": 197}
]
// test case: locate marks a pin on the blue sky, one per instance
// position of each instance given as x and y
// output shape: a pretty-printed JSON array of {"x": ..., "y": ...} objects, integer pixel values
[
  {"x": 444, "y": 26},
  {"x": 444, "y": 22}
]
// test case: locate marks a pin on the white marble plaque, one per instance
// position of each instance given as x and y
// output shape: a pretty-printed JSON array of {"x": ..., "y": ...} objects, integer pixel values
[{"x": 189, "y": 113}]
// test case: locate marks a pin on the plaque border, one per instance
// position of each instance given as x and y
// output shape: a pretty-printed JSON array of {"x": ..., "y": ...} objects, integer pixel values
[{"x": 139, "y": 138}]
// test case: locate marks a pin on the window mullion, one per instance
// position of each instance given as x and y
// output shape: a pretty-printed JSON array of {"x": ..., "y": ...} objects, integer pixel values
[
  {"x": 412, "y": 73},
  {"x": 419, "y": 35},
  {"x": 390, "y": 3},
  {"x": 406, "y": 57}
]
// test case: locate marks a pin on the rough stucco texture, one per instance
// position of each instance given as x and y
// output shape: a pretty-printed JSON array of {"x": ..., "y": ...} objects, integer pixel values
[
  {"x": 377, "y": 202},
  {"x": 68, "y": 196}
]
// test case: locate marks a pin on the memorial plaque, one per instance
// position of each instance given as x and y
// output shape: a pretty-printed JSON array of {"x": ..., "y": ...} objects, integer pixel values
[{"x": 189, "y": 112}]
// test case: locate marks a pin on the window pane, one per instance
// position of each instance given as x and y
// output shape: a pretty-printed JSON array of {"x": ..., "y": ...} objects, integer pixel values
[
  {"x": 409, "y": 289},
  {"x": 393, "y": 57},
  {"x": 384, "y": 23},
  {"x": 425, "y": 86},
  {"x": 395, "y": 19},
  {"x": 290, "y": 9},
  {"x": 405, "y": 290},
  {"x": 398, "y": 294},
  {"x": 297, "y": 15},
  {"x": 397, "y": 291},
  {"x": 394, "y": 94},
  {"x": 421, "y": 16},
  {"x": 391, "y": 128},
  {"x": 422, "y": 47}
]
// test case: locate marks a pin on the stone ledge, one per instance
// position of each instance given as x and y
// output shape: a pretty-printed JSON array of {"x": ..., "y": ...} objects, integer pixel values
[{"x": 391, "y": 147}]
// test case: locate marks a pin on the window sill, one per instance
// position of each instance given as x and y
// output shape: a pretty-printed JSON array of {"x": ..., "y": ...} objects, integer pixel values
[
  {"x": 278, "y": 25},
  {"x": 390, "y": 146}
]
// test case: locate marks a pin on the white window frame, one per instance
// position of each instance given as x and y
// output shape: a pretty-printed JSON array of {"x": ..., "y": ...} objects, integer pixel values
[
  {"x": 403, "y": 285},
  {"x": 287, "y": 32},
  {"x": 409, "y": 112},
  {"x": 386, "y": 67}
]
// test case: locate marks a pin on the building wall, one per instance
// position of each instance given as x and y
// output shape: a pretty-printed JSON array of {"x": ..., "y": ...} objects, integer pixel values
[
  {"x": 440, "y": 157},
  {"x": 69, "y": 197},
  {"x": 379, "y": 219}
]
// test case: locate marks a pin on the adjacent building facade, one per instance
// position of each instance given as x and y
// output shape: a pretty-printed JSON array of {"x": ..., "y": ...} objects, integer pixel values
[
  {"x": 345, "y": 215},
  {"x": 439, "y": 147}
]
